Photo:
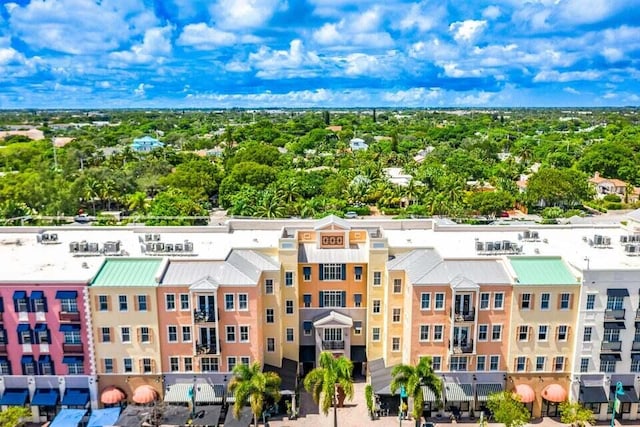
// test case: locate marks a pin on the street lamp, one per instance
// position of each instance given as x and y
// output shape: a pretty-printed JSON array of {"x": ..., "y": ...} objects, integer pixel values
[{"x": 616, "y": 402}]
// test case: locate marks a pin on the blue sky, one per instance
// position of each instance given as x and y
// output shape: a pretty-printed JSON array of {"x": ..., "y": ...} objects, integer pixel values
[{"x": 318, "y": 53}]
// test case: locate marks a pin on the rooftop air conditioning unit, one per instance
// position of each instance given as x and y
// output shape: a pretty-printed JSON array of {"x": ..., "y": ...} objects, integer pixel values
[
  {"x": 73, "y": 247},
  {"x": 179, "y": 247},
  {"x": 83, "y": 246},
  {"x": 156, "y": 237},
  {"x": 149, "y": 247},
  {"x": 147, "y": 237},
  {"x": 188, "y": 246},
  {"x": 168, "y": 247},
  {"x": 93, "y": 247},
  {"x": 158, "y": 247}
]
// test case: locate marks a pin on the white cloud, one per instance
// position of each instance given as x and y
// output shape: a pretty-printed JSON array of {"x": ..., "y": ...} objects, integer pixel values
[
  {"x": 567, "y": 76},
  {"x": 491, "y": 12},
  {"x": 234, "y": 14},
  {"x": 480, "y": 98},
  {"x": 237, "y": 67},
  {"x": 422, "y": 17},
  {"x": 612, "y": 54},
  {"x": 141, "y": 90},
  {"x": 295, "y": 62},
  {"x": 356, "y": 30},
  {"x": 328, "y": 34},
  {"x": 571, "y": 90},
  {"x": 360, "y": 64},
  {"x": 200, "y": 36},
  {"x": 451, "y": 69},
  {"x": 434, "y": 49},
  {"x": 155, "y": 48},
  {"x": 467, "y": 31},
  {"x": 413, "y": 96}
]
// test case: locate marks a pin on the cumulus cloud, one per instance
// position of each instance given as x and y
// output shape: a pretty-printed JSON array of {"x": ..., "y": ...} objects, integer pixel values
[
  {"x": 472, "y": 100},
  {"x": 467, "y": 31},
  {"x": 491, "y": 12},
  {"x": 422, "y": 17},
  {"x": 413, "y": 96},
  {"x": 141, "y": 90},
  {"x": 567, "y": 76},
  {"x": 295, "y": 62},
  {"x": 201, "y": 36},
  {"x": 357, "y": 30},
  {"x": 155, "y": 48},
  {"x": 235, "y": 14}
]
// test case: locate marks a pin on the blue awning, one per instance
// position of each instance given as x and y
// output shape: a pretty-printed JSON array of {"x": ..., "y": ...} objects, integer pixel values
[
  {"x": 77, "y": 397},
  {"x": 66, "y": 295},
  {"x": 1, "y": 305},
  {"x": 40, "y": 327},
  {"x": 306, "y": 298},
  {"x": 45, "y": 397},
  {"x": 104, "y": 417},
  {"x": 306, "y": 271},
  {"x": 69, "y": 328},
  {"x": 72, "y": 359},
  {"x": 14, "y": 397},
  {"x": 27, "y": 359},
  {"x": 19, "y": 295},
  {"x": 307, "y": 325},
  {"x": 44, "y": 358},
  {"x": 68, "y": 418},
  {"x": 23, "y": 327},
  {"x": 357, "y": 298},
  {"x": 37, "y": 295},
  {"x": 358, "y": 270}
]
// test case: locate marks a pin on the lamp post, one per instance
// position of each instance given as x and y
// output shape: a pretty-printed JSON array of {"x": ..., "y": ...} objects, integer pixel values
[{"x": 616, "y": 402}]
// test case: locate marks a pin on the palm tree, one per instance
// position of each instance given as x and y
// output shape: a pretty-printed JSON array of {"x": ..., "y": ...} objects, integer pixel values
[
  {"x": 412, "y": 378},
  {"x": 324, "y": 382},
  {"x": 250, "y": 384}
]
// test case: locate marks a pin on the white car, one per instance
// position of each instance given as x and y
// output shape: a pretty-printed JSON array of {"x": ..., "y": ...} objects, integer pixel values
[{"x": 351, "y": 215}]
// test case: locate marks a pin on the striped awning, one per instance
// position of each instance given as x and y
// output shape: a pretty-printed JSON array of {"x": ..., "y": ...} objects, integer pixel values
[
  {"x": 455, "y": 392},
  {"x": 484, "y": 390},
  {"x": 178, "y": 393},
  {"x": 205, "y": 393},
  {"x": 231, "y": 398},
  {"x": 428, "y": 395}
]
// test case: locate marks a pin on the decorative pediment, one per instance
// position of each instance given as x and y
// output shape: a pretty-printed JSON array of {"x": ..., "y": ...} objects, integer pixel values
[
  {"x": 206, "y": 284},
  {"x": 332, "y": 222},
  {"x": 460, "y": 283},
  {"x": 333, "y": 320}
]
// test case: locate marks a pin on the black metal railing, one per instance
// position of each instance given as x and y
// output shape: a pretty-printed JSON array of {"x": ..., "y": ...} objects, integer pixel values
[
  {"x": 614, "y": 314},
  {"x": 333, "y": 345},
  {"x": 464, "y": 315},
  {"x": 611, "y": 345},
  {"x": 462, "y": 347},
  {"x": 205, "y": 315},
  {"x": 206, "y": 348}
]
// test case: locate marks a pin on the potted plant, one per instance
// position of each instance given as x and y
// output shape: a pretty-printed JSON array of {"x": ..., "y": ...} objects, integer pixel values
[
  {"x": 368, "y": 396},
  {"x": 290, "y": 413}
]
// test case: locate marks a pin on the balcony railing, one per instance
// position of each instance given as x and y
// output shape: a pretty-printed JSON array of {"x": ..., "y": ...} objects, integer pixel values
[
  {"x": 73, "y": 348},
  {"x": 333, "y": 345},
  {"x": 204, "y": 316},
  {"x": 3, "y": 348},
  {"x": 635, "y": 346},
  {"x": 206, "y": 348},
  {"x": 614, "y": 314},
  {"x": 611, "y": 345},
  {"x": 462, "y": 347},
  {"x": 464, "y": 315},
  {"x": 69, "y": 316}
]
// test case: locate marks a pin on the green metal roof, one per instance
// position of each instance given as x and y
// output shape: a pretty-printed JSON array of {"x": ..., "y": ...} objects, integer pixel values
[
  {"x": 127, "y": 272},
  {"x": 542, "y": 271}
]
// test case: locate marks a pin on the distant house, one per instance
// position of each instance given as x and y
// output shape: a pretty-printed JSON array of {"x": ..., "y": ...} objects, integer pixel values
[
  {"x": 358, "y": 144},
  {"x": 335, "y": 128},
  {"x": 145, "y": 144},
  {"x": 397, "y": 176},
  {"x": 604, "y": 186}
]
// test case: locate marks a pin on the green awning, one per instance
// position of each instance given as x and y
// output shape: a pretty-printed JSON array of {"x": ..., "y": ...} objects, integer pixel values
[
  {"x": 455, "y": 392},
  {"x": 484, "y": 390}
]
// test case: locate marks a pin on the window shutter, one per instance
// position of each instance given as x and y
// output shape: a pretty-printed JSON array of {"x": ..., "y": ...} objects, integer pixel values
[
  {"x": 153, "y": 365},
  {"x": 321, "y": 271},
  {"x": 148, "y": 301},
  {"x": 344, "y": 271},
  {"x": 108, "y": 302},
  {"x": 559, "y": 301},
  {"x": 571, "y": 301},
  {"x": 515, "y": 364},
  {"x": 103, "y": 365},
  {"x": 532, "y": 301},
  {"x": 321, "y": 296},
  {"x": 44, "y": 304},
  {"x": 530, "y": 333},
  {"x": 96, "y": 302},
  {"x": 135, "y": 303},
  {"x": 521, "y": 298},
  {"x": 344, "y": 296},
  {"x": 150, "y": 336},
  {"x": 114, "y": 363},
  {"x": 141, "y": 365}
]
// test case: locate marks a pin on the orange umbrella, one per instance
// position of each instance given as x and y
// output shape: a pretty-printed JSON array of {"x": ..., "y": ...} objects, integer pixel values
[
  {"x": 112, "y": 395},
  {"x": 554, "y": 393},
  {"x": 144, "y": 394},
  {"x": 526, "y": 393}
]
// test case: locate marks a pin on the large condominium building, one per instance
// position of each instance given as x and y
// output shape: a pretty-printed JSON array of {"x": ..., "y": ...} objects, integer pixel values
[{"x": 115, "y": 314}]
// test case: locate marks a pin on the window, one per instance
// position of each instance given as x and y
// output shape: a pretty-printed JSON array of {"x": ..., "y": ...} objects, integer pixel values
[
  {"x": 70, "y": 337},
  {"x": 458, "y": 363},
  {"x": 494, "y": 363},
  {"x": 540, "y": 362},
  {"x": 395, "y": 344},
  {"x": 288, "y": 278},
  {"x": 615, "y": 303},
  {"x": 69, "y": 305},
  {"x": 357, "y": 300},
  {"x": 376, "y": 306},
  {"x": 243, "y": 302},
  {"x": 525, "y": 302},
  {"x": 174, "y": 364},
  {"x": 184, "y": 302},
  {"x": 21, "y": 302},
  {"x": 142, "y": 304},
  {"x": 229, "y": 302},
  {"x": 543, "y": 331},
  {"x": 231, "y": 363},
  {"x": 307, "y": 300},
  {"x": 635, "y": 364},
  {"x": 244, "y": 333},
  {"x": 333, "y": 334},
  {"x": 172, "y": 333},
  {"x": 357, "y": 273},
  {"x": 123, "y": 304},
  {"x": 437, "y": 332},
  {"x": 271, "y": 345},
  {"x": 483, "y": 332},
  {"x": 270, "y": 316},
  {"x": 147, "y": 365},
  {"x": 24, "y": 334},
  {"x": 105, "y": 334},
  {"x": 377, "y": 278},
  {"x": 545, "y": 298},
  {"x": 436, "y": 363},
  {"x": 559, "y": 364},
  {"x": 523, "y": 333},
  {"x": 125, "y": 334},
  {"x": 584, "y": 365},
  {"x": 186, "y": 334},
  {"x": 521, "y": 363},
  {"x": 306, "y": 274},
  {"x": 289, "y": 334},
  {"x": 586, "y": 335},
  {"x": 424, "y": 332},
  {"x": 439, "y": 304},
  {"x": 5, "y": 368},
  {"x": 425, "y": 301},
  {"x": 29, "y": 366},
  {"x": 591, "y": 301},
  {"x": 268, "y": 286},
  {"x": 484, "y": 300},
  {"x": 289, "y": 306},
  {"x": 108, "y": 366},
  {"x": 333, "y": 299},
  {"x": 357, "y": 328},
  {"x": 145, "y": 335},
  {"x": 127, "y": 362},
  {"x": 245, "y": 360},
  {"x": 498, "y": 301},
  {"x": 42, "y": 334},
  {"x": 375, "y": 334},
  {"x": 481, "y": 363},
  {"x": 188, "y": 364},
  {"x": 332, "y": 271},
  {"x": 496, "y": 332},
  {"x": 397, "y": 286},
  {"x": 562, "y": 332},
  {"x": 170, "y": 302},
  {"x": 209, "y": 364},
  {"x": 231, "y": 334},
  {"x": 565, "y": 299},
  {"x": 395, "y": 316}
]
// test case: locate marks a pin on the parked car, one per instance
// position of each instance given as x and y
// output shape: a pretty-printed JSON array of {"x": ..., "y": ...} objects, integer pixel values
[{"x": 351, "y": 215}]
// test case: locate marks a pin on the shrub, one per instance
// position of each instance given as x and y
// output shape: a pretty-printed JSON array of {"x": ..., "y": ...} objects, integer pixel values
[
  {"x": 612, "y": 198},
  {"x": 614, "y": 206}
]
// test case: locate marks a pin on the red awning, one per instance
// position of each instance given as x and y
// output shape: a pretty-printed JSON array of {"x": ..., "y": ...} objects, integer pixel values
[
  {"x": 112, "y": 395},
  {"x": 144, "y": 394},
  {"x": 554, "y": 393},
  {"x": 526, "y": 393}
]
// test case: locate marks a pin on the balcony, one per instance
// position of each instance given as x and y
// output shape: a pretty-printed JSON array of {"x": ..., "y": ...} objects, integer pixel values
[
  {"x": 3, "y": 348},
  {"x": 465, "y": 315},
  {"x": 635, "y": 346},
  {"x": 205, "y": 316},
  {"x": 205, "y": 349},
  {"x": 76, "y": 348},
  {"x": 69, "y": 316},
  {"x": 614, "y": 314},
  {"x": 611, "y": 346},
  {"x": 333, "y": 345},
  {"x": 463, "y": 347}
]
